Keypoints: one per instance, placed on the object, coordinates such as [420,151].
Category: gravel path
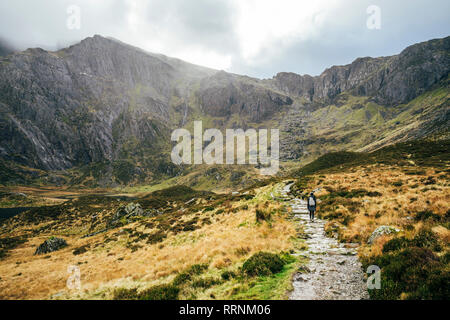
[333,271]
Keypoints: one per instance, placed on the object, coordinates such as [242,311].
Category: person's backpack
[312,202]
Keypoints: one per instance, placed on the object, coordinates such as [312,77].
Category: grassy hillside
[350,123]
[404,186]
[358,124]
[185,244]
[419,153]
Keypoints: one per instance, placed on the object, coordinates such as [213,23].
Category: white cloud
[207,58]
[254,37]
[147,29]
[262,28]
[266,25]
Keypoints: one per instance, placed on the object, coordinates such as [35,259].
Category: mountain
[370,103]
[390,81]
[101,112]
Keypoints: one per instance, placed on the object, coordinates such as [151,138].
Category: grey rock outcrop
[130,210]
[390,80]
[51,245]
[381,231]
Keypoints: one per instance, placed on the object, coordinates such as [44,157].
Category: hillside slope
[394,202]
[104,110]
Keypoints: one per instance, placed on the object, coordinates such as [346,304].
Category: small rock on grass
[51,245]
[380,231]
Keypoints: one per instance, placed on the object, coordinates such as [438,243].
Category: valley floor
[179,243]
[220,232]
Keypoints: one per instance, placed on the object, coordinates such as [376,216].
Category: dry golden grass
[403,196]
[229,239]
[443,233]
[46,195]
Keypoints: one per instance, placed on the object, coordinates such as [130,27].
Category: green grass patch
[271,287]
[421,152]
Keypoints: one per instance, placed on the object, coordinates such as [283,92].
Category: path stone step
[334,272]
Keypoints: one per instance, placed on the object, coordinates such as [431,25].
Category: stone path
[333,271]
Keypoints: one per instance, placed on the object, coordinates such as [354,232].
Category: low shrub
[247,196]
[161,292]
[198,268]
[262,215]
[156,237]
[435,287]
[228,275]
[287,258]
[182,277]
[180,192]
[397,183]
[415,172]
[186,275]
[206,283]
[263,264]
[446,258]
[427,215]
[355,193]
[242,251]
[418,272]
[80,250]
[7,244]
[426,239]
[395,244]
[125,294]
[347,220]
[429,181]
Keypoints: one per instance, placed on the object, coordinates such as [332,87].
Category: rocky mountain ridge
[109,107]
[389,80]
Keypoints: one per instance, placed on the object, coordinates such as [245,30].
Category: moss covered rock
[381,231]
[51,245]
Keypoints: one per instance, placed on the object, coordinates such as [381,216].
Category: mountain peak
[100,95]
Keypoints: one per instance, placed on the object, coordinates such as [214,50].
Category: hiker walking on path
[312,204]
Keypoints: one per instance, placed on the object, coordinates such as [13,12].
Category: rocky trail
[333,271]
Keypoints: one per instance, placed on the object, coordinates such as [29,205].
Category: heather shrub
[263,264]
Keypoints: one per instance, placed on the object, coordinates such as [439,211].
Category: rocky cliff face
[105,101]
[389,80]
[102,101]
[223,95]
[59,109]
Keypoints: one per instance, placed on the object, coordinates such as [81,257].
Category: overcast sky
[254,37]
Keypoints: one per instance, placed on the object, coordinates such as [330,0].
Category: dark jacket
[312,208]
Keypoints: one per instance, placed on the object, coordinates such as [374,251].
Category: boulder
[131,210]
[51,245]
[381,231]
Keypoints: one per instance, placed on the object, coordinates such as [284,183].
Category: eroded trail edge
[333,271]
